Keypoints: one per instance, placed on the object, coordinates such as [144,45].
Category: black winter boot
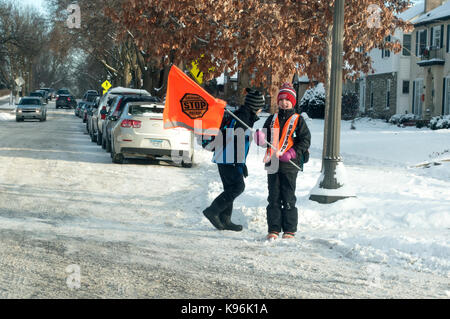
[213,217]
[225,218]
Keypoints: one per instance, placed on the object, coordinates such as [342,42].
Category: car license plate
[156,143]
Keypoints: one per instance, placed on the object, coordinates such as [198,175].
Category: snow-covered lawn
[6,116]
[401,214]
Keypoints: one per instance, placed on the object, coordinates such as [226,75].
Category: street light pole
[331,185]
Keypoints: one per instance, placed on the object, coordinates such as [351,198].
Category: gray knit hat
[254,100]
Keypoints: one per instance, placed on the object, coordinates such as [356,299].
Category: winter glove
[305,156]
[260,138]
[288,155]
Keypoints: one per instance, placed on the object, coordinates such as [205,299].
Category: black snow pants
[282,215]
[232,176]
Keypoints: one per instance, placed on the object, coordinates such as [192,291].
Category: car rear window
[29,102]
[91,97]
[35,94]
[145,109]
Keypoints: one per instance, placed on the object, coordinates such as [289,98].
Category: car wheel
[188,163]
[93,136]
[103,142]
[108,146]
[99,138]
[116,158]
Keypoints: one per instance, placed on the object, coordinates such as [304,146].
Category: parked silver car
[31,108]
[139,132]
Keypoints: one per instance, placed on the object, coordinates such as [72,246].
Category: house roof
[437,14]
[413,12]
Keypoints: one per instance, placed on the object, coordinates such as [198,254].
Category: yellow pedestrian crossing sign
[106,85]
[196,73]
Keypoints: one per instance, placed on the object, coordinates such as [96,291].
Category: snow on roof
[437,13]
[412,12]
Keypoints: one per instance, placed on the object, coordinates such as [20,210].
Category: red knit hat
[287,92]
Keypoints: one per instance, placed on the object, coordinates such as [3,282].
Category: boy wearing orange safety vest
[288,133]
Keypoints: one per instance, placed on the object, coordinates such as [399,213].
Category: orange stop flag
[188,105]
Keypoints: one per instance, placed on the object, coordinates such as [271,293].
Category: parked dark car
[114,112]
[92,92]
[45,93]
[88,98]
[50,92]
[40,95]
[65,101]
[90,110]
[62,92]
[78,108]
[90,95]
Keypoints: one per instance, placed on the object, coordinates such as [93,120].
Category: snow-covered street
[137,230]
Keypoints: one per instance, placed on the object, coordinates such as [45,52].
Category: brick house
[387,91]
[430,65]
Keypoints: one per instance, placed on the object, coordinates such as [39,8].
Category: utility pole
[331,185]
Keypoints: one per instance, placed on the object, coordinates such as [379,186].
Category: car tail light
[68,99]
[130,123]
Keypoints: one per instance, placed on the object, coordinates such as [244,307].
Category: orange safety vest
[286,140]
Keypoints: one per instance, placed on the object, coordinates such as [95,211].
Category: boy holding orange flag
[231,148]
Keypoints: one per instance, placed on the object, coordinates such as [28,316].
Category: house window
[385,53]
[436,37]
[446,110]
[388,94]
[405,87]
[371,95]
[406,45]
[362,95]
[448,36]
[421,41]
[418,97]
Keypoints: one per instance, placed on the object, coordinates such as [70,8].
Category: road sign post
[330,188]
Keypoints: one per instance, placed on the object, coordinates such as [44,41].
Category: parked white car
[139,132]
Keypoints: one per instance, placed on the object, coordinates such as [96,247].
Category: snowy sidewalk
[5,103]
